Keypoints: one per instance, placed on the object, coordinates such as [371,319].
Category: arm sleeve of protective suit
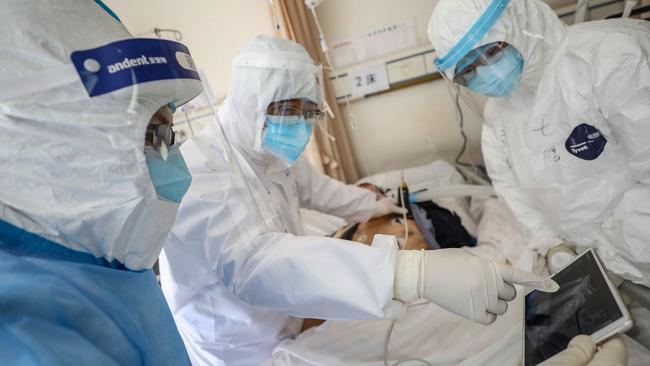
[539,234]
[322,193]
[623,93]
[313,277]
[304,276]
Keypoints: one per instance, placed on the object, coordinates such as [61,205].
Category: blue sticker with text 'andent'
[586,142]
[124,63]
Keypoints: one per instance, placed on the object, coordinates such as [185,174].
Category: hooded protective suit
[568,149]
[80,220]
[236,264]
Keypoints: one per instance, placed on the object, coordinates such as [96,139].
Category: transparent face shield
[123,96]
[493,69]
[133,73]
[199,120]
[242,205]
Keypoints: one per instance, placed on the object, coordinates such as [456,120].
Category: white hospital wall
[398,129]
[406,127]
[213,30]
[416,125]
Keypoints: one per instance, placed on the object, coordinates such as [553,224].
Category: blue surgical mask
[170,177]
[286,136]
[500,78]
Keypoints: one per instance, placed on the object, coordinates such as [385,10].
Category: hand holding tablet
[586,303]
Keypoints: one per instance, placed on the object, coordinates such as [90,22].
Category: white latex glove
[581,351]
[386,206]
[465,284]
[559,256]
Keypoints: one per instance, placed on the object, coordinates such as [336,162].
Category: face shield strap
[276,60]
[473,36]
[111,67]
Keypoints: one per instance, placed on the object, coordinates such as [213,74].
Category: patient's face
[391,225]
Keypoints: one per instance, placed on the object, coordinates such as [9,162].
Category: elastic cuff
[408,273]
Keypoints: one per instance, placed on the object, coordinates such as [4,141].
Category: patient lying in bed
[455,235]
[391,225]
[426,331]
[429,227]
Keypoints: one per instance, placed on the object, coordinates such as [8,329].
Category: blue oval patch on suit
[586,142]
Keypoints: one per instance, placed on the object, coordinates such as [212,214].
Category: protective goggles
[293,109]
[160,131]
[486,55]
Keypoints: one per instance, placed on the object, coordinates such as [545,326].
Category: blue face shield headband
[494,69]
[131,66]
[115,66]
[473,35]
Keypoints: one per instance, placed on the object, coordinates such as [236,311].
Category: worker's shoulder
[610,38]
[595,50]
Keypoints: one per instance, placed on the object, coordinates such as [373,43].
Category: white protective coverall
[568,149]
[81,222]
[231,281]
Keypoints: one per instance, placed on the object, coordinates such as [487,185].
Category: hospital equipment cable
[461,123]
[404,204]
[389,332]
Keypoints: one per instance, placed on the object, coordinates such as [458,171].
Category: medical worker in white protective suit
[237,268]
[86,196]
[567,127]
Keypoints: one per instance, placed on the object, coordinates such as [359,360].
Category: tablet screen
[583,305]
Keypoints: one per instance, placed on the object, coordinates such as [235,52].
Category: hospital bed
[439,179]
[426,331]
